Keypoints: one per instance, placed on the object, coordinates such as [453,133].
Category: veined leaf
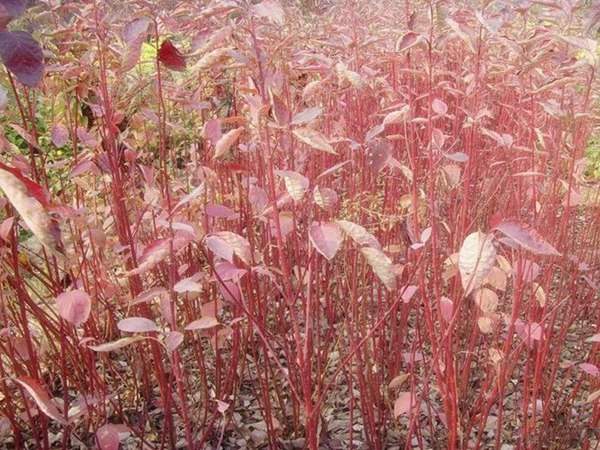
[314,139]
[381,265]
[475,260]
[359,234]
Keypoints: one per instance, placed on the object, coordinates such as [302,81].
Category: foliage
[307,224]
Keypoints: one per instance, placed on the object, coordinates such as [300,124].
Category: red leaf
[171,57]
[23,56]
[526,237]
[74,306]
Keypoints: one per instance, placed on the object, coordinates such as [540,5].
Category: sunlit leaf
[295,183]
[476,258]
[324,197]
[359,234]
[224,144]
[381,265]
[314,139]
[486,299]
[30,201]
[226,244]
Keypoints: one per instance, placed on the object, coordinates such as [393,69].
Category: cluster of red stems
[269,208]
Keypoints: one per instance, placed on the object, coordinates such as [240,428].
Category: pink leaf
[271,10]
[529,270]
[136,30]
[228,271]
[407,41]
[220,211]
[59,135]
[526,237]
[6,228]
[203,323]
[590,369]
[447,308]
[326,238]
[325,197]
[230,292]
[212,130]
[226,244]
[173,340]
[403,404]
[306,116]
[108,437]
[439,107]
[457,157]
[41,398]
[594,338]
[74,306]
[407,293]
[137,325]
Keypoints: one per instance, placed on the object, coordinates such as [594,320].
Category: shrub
[364,227]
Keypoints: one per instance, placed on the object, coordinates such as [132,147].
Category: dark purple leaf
[23,56]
